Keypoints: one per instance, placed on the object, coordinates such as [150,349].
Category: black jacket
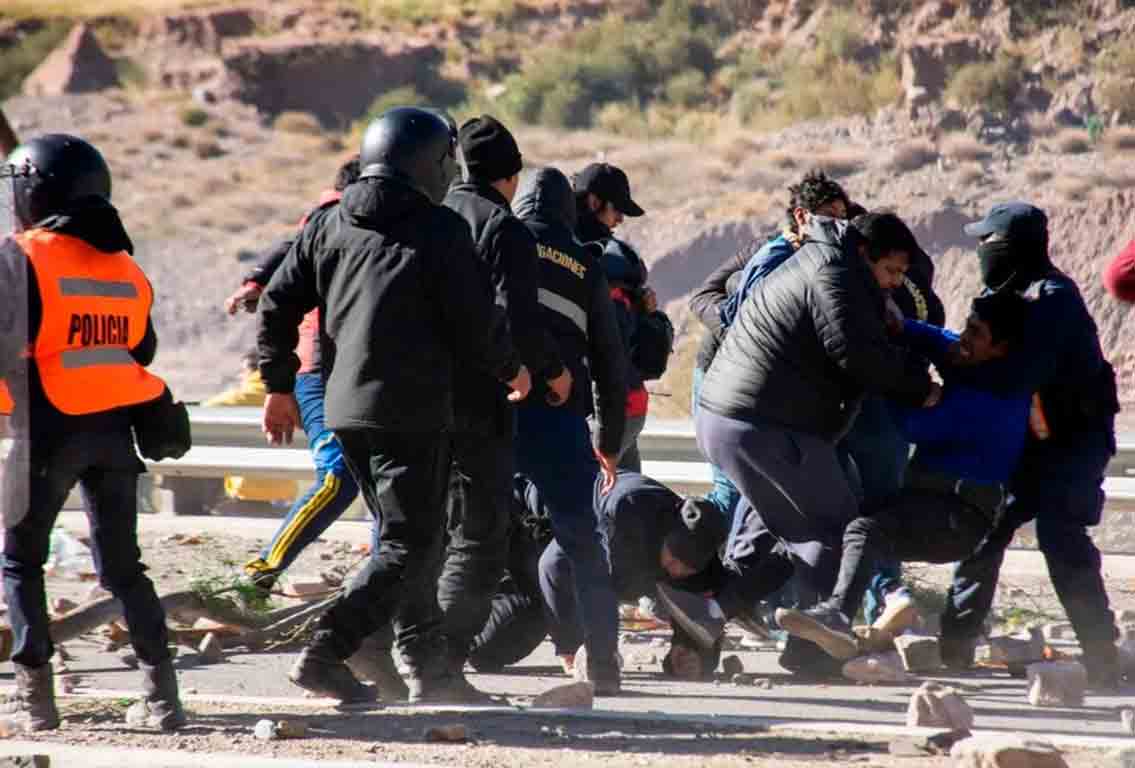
[100,227]
[589,229]
[641,512]
[400,300]
[577,309]
[809,342]
[506,255]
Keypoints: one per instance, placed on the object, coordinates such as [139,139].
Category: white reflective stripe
[107,289]
[84,358]
[568,309]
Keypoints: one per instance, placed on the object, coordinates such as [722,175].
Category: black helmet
[418,146]
[55,173]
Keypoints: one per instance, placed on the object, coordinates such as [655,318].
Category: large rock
[1057,683]
[570,696]
[202,31]
[1006,751]
[1013,650]
[919,653]
[78,65]
[876,668]
[934,705]
[928,63]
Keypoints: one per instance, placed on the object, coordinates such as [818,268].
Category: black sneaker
[824,626]
[325,675]
[805,659]
[752,624]
[957,655]
[691,613]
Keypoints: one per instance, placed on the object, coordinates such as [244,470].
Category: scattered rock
[1012,650]
[62,605]
[265,730]
[1006,751]
[570,696]
[25,761]
[934,705]
[927,63]
[305,588]
[742,678]
[454,734]
[78,65]
[1127,720]
[732,665]
[290,729]
[919,653]
[211,649]
[876,668]
[1057,683]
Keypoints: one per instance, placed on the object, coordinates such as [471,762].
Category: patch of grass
[966,149]
[912,155]
[418,12]
[90,9]
[131,74]
[18,61]
[840,163]
[1072,142]
[193,117]
[993,85]
[784,161]
[1038,176]
[207,150]
[298,122]
[1115,76]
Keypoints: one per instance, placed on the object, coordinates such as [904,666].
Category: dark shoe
[806,659]
[324,675]
[604,677]
[752,624]
[691,613]
[374,662]
[34,702]
[957,655]
[160,706]
[1102,665]
[449,688]
[824,626]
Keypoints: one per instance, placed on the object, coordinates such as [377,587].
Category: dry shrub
[193,117]
[966,149]
[180,141]
[912,156]
[742,205]
[1072,142]
[971,175]
[152,135]
[1121,140]
[784,161]
[738,149]
[298,122]
[1038,176]
[838,164]
[207,150]
[1073,188]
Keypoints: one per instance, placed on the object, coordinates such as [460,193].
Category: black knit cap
[699,534]
[489,149]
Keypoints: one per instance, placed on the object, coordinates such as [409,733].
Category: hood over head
[546,194]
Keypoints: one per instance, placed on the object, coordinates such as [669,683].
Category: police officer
[1059,479]
[87,308]
[394,276]
[483,451]
[553,444]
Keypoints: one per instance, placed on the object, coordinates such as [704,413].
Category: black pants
[480,497]
[913,526]
[106,468]
[402,477]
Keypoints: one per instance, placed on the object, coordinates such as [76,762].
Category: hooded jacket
[506,255]
[99,226]
[400,299]
[809,342]
[574,298]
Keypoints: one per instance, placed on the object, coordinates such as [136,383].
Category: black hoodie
[577,309]
[96,223]
[400,299]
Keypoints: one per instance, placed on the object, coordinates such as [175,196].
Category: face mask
[999,263]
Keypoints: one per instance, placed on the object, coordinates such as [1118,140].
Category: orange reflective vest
[95,309]
[6,403]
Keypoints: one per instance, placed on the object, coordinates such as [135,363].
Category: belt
[989,498]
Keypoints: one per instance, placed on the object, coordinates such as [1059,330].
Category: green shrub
[17,61]
[994,86]
[297,122]
[404,96]
[1115,75]
[131,74]
[686,89]
[193,117]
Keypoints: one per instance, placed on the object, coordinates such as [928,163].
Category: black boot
[1101,660]
[324,674]
[604,676]
[374,662]
[34,702]
[160,706]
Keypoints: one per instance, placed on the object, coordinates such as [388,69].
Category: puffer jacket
[810,342]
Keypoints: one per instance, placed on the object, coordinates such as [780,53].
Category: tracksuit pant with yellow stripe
[324,502]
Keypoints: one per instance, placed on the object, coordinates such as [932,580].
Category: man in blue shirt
[968,447]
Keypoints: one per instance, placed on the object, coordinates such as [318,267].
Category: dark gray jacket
[809,342]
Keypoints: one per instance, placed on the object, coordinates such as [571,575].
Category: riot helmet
[417,146]
[55,173]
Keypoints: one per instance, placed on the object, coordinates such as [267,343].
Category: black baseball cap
[609,183]
[1014,220]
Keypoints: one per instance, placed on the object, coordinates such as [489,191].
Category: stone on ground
[25,761]
[732,665]
[919,653]
[934,705]
[1012,650]
[211,648]
[876,668]
[1012,750]
[453,734]
[1057,683]
[571,696]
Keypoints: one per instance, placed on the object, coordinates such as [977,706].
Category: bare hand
[935,395]
[649,300]
[281,418]
[245,298]
[559,388]
[893,317]
[608,466]
[521,385]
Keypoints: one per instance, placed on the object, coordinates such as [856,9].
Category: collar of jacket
[826,230]
[96,223]
[380,199]
[483,189]
[590,229]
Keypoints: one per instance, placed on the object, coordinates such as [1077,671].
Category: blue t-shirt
[770,256]
[972,433]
